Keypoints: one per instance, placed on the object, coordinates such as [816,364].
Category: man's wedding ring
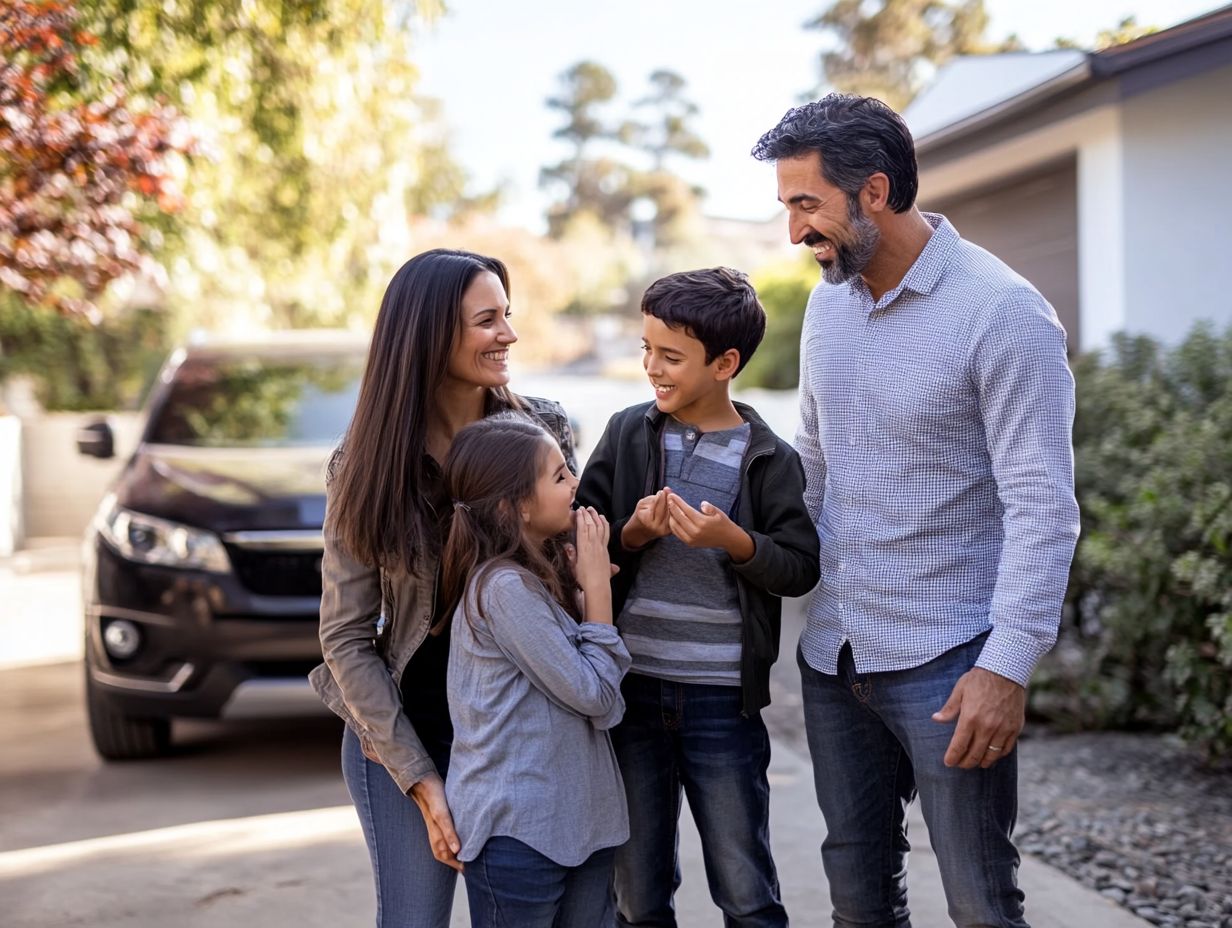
[993,747]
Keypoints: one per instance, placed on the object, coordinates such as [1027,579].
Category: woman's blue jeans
[413,889]
[874,745]
[693,737]
[511,885]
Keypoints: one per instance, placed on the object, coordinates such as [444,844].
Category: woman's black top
[423,681]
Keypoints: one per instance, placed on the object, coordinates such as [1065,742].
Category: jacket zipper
[745,654]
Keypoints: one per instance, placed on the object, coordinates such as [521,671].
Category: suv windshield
[256,401]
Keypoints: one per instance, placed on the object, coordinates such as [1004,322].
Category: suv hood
[227,489]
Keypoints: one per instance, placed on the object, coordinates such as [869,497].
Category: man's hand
[429,795]
[648,522]
[709,528]
[991,710]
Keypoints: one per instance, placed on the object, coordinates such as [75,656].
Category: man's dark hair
[717,306]
[857,137]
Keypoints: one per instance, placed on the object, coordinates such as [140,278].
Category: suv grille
[278,573]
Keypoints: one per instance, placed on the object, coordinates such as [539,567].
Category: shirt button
[689,435]
[842,567]
[852,441]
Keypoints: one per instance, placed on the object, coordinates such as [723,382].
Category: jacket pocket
[763,628]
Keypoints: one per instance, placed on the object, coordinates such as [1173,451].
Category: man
[936,406]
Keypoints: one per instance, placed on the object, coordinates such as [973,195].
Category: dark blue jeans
[692,738]
[874,746]
[511,885]
[413,889]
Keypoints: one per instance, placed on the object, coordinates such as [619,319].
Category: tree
[591,183]
[319,149]
[1127,30]
[889,49]
[81,163]
[668,131]
[600,177]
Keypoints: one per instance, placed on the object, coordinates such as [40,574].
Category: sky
[493,63]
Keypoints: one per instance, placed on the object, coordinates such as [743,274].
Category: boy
[709,528]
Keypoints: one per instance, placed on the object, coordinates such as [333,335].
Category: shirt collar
[924,274]
[925,271]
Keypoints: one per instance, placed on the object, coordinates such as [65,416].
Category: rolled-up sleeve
[579,671]
[350,605]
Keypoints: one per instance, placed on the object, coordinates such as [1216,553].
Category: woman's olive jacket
[361,677]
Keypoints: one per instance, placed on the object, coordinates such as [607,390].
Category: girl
[438,360]
[535,666]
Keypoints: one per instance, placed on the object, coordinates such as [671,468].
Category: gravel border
[1135,817]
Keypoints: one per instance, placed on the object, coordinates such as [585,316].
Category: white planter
[10,485]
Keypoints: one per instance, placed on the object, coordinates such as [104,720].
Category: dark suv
[202,578]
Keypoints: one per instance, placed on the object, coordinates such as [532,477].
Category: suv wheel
[118,736]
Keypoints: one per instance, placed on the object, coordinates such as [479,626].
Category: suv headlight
[149,540]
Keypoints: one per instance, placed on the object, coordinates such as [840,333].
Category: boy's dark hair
[856,137]
[717,306]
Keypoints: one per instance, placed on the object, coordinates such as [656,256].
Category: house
[1104,177]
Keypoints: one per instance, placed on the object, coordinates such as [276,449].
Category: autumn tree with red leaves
[79,165]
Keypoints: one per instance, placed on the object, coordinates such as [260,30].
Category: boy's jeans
[691,736]
[873,745]
[511,885]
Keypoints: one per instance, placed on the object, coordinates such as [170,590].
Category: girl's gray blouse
[531,695]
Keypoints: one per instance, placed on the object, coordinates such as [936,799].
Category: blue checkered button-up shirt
[935,437]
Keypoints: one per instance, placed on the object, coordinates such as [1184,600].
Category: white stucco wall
[1094,138]
[1177,175]
[60,488]
[11,529]
[1101,229]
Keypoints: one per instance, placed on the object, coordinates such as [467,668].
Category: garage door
[1031,223]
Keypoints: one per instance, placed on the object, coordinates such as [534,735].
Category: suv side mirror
[96,440]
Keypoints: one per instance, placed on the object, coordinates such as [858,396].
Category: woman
[438,361]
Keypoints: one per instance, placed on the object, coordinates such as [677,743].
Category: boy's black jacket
[625,467]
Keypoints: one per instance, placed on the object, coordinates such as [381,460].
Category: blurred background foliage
[784,290]
[279,164]
[75,364]
[1147,636]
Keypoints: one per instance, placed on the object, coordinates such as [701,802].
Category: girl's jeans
[511,885]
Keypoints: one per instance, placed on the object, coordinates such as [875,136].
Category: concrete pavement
[249,823]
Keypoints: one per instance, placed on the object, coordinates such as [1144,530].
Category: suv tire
[118,736]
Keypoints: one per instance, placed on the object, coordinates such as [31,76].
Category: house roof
[974,84]
[975,92]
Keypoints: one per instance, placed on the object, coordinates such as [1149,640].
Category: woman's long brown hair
[491,470]
[379,506]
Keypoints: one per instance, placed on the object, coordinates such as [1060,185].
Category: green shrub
[1147,635]
[784,291]
[77,364]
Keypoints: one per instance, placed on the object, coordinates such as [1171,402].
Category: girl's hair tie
[458,504]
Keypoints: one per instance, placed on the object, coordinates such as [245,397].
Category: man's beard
[850,259]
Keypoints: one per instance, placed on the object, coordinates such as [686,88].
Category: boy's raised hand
[709,528]
[648,522]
